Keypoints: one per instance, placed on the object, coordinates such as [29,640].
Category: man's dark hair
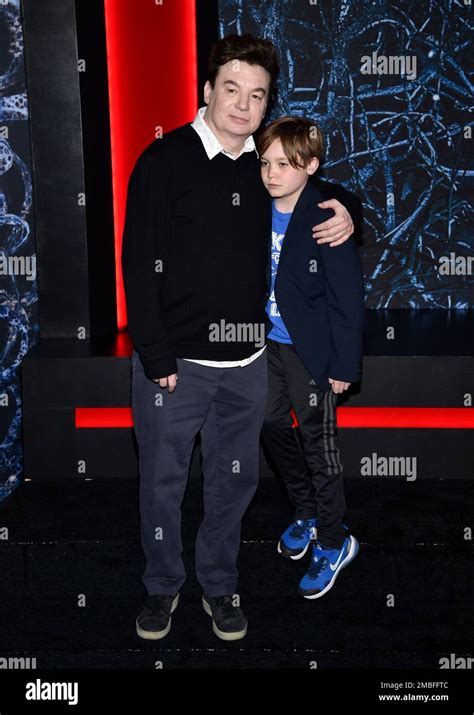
[246,48]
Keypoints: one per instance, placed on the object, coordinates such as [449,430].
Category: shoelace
[299,529]
[316,567]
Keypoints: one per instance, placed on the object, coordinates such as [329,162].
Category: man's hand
[338,386]
[169,382]
[337,229]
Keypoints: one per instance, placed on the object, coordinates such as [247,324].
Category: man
[195,254]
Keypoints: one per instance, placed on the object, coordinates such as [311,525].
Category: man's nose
[243,103]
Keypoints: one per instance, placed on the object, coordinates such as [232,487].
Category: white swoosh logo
[333,568]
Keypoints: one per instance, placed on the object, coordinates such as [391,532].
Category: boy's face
[237,103]
[280,178]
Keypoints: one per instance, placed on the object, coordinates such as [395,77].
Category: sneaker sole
[353,551]
[287,555]
[237,635]
[157,635]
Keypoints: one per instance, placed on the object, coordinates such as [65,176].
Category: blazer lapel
[306,202]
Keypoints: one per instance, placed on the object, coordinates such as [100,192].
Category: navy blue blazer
[319,292]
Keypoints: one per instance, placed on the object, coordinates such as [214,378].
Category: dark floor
[66,539]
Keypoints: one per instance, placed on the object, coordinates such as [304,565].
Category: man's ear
[207,91]
[312,166]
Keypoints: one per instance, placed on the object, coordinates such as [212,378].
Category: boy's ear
[312,166]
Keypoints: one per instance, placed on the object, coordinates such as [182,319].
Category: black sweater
[196,246]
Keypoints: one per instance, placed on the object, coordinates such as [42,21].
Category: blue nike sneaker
[325,566]
[295,540]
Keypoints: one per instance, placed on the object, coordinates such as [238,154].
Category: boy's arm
[345,298]
[146,225]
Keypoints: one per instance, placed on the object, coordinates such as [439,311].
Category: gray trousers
[226,406]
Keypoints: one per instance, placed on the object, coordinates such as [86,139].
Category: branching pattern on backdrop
[391,86]
[18,291]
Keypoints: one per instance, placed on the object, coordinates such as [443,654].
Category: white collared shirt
[213,147]
[212,144]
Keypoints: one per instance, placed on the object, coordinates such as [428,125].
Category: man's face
[280,178]
[237,103]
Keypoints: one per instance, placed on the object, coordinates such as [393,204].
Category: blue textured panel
[18,289]
[399,143]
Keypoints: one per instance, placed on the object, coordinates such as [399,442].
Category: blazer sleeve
[147,223]
[344,281]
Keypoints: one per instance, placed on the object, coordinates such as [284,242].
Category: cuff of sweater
[157,368]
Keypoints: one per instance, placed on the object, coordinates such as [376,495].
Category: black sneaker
[154,619]
[228,621]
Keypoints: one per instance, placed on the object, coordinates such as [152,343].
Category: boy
[314,348]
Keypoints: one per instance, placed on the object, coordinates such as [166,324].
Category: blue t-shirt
[280,223]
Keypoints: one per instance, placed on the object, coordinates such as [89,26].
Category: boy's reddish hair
[301,140]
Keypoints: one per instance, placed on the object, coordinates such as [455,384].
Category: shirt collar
[211,143]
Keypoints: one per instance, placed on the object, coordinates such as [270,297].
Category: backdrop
[390,85]
[19,328]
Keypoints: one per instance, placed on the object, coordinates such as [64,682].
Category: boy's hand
[338,386]
[337,229]
[169,382]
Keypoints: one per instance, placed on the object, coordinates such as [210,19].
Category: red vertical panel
[152,70]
